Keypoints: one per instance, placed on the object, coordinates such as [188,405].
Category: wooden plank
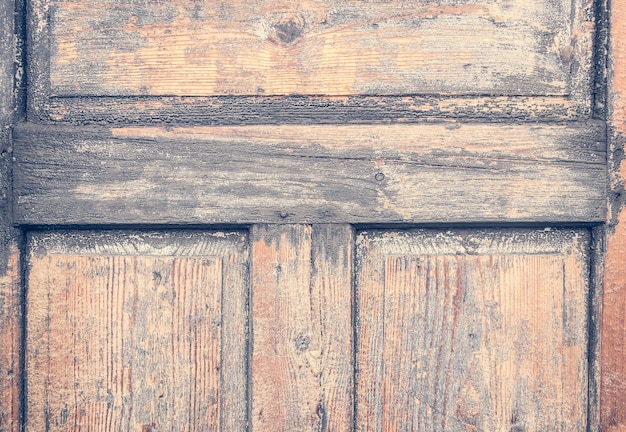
[10,292]
[125,331]
[612,410]
[319,47]
[301,326]
[472,330]
[351,174]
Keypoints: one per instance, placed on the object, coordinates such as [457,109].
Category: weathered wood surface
[334,47]
[472,330]
[351,174]
[613,334]
[302,352]
[137,331]
[10,293]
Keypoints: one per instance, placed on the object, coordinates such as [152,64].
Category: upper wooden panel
[338,47]
[330,49]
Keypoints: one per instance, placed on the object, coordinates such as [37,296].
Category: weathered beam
[352,174]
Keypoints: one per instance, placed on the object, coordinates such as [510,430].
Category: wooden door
[300,216]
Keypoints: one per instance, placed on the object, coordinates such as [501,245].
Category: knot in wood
[287,29]
[302,342]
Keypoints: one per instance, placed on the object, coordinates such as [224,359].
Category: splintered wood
[135,342]
[472,332]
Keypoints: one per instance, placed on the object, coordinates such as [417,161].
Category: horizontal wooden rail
[425,173]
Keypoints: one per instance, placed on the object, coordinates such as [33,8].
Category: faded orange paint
[10,336]
[613,337]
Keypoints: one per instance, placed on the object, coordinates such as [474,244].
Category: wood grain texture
[136,332]
[472,330]
[613,334]
[351,174]
[317,47]
[302,327]
[37,58]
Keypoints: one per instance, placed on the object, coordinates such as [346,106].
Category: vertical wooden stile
[613,323]
[301,327]
[10,292]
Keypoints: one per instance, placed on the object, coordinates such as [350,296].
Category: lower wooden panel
[472,330]
[463,330]
[136,332]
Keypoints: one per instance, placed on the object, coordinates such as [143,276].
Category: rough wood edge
[598,249]
[584,25]
[38,59]
[230,110]
[600,59]
[146,242]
